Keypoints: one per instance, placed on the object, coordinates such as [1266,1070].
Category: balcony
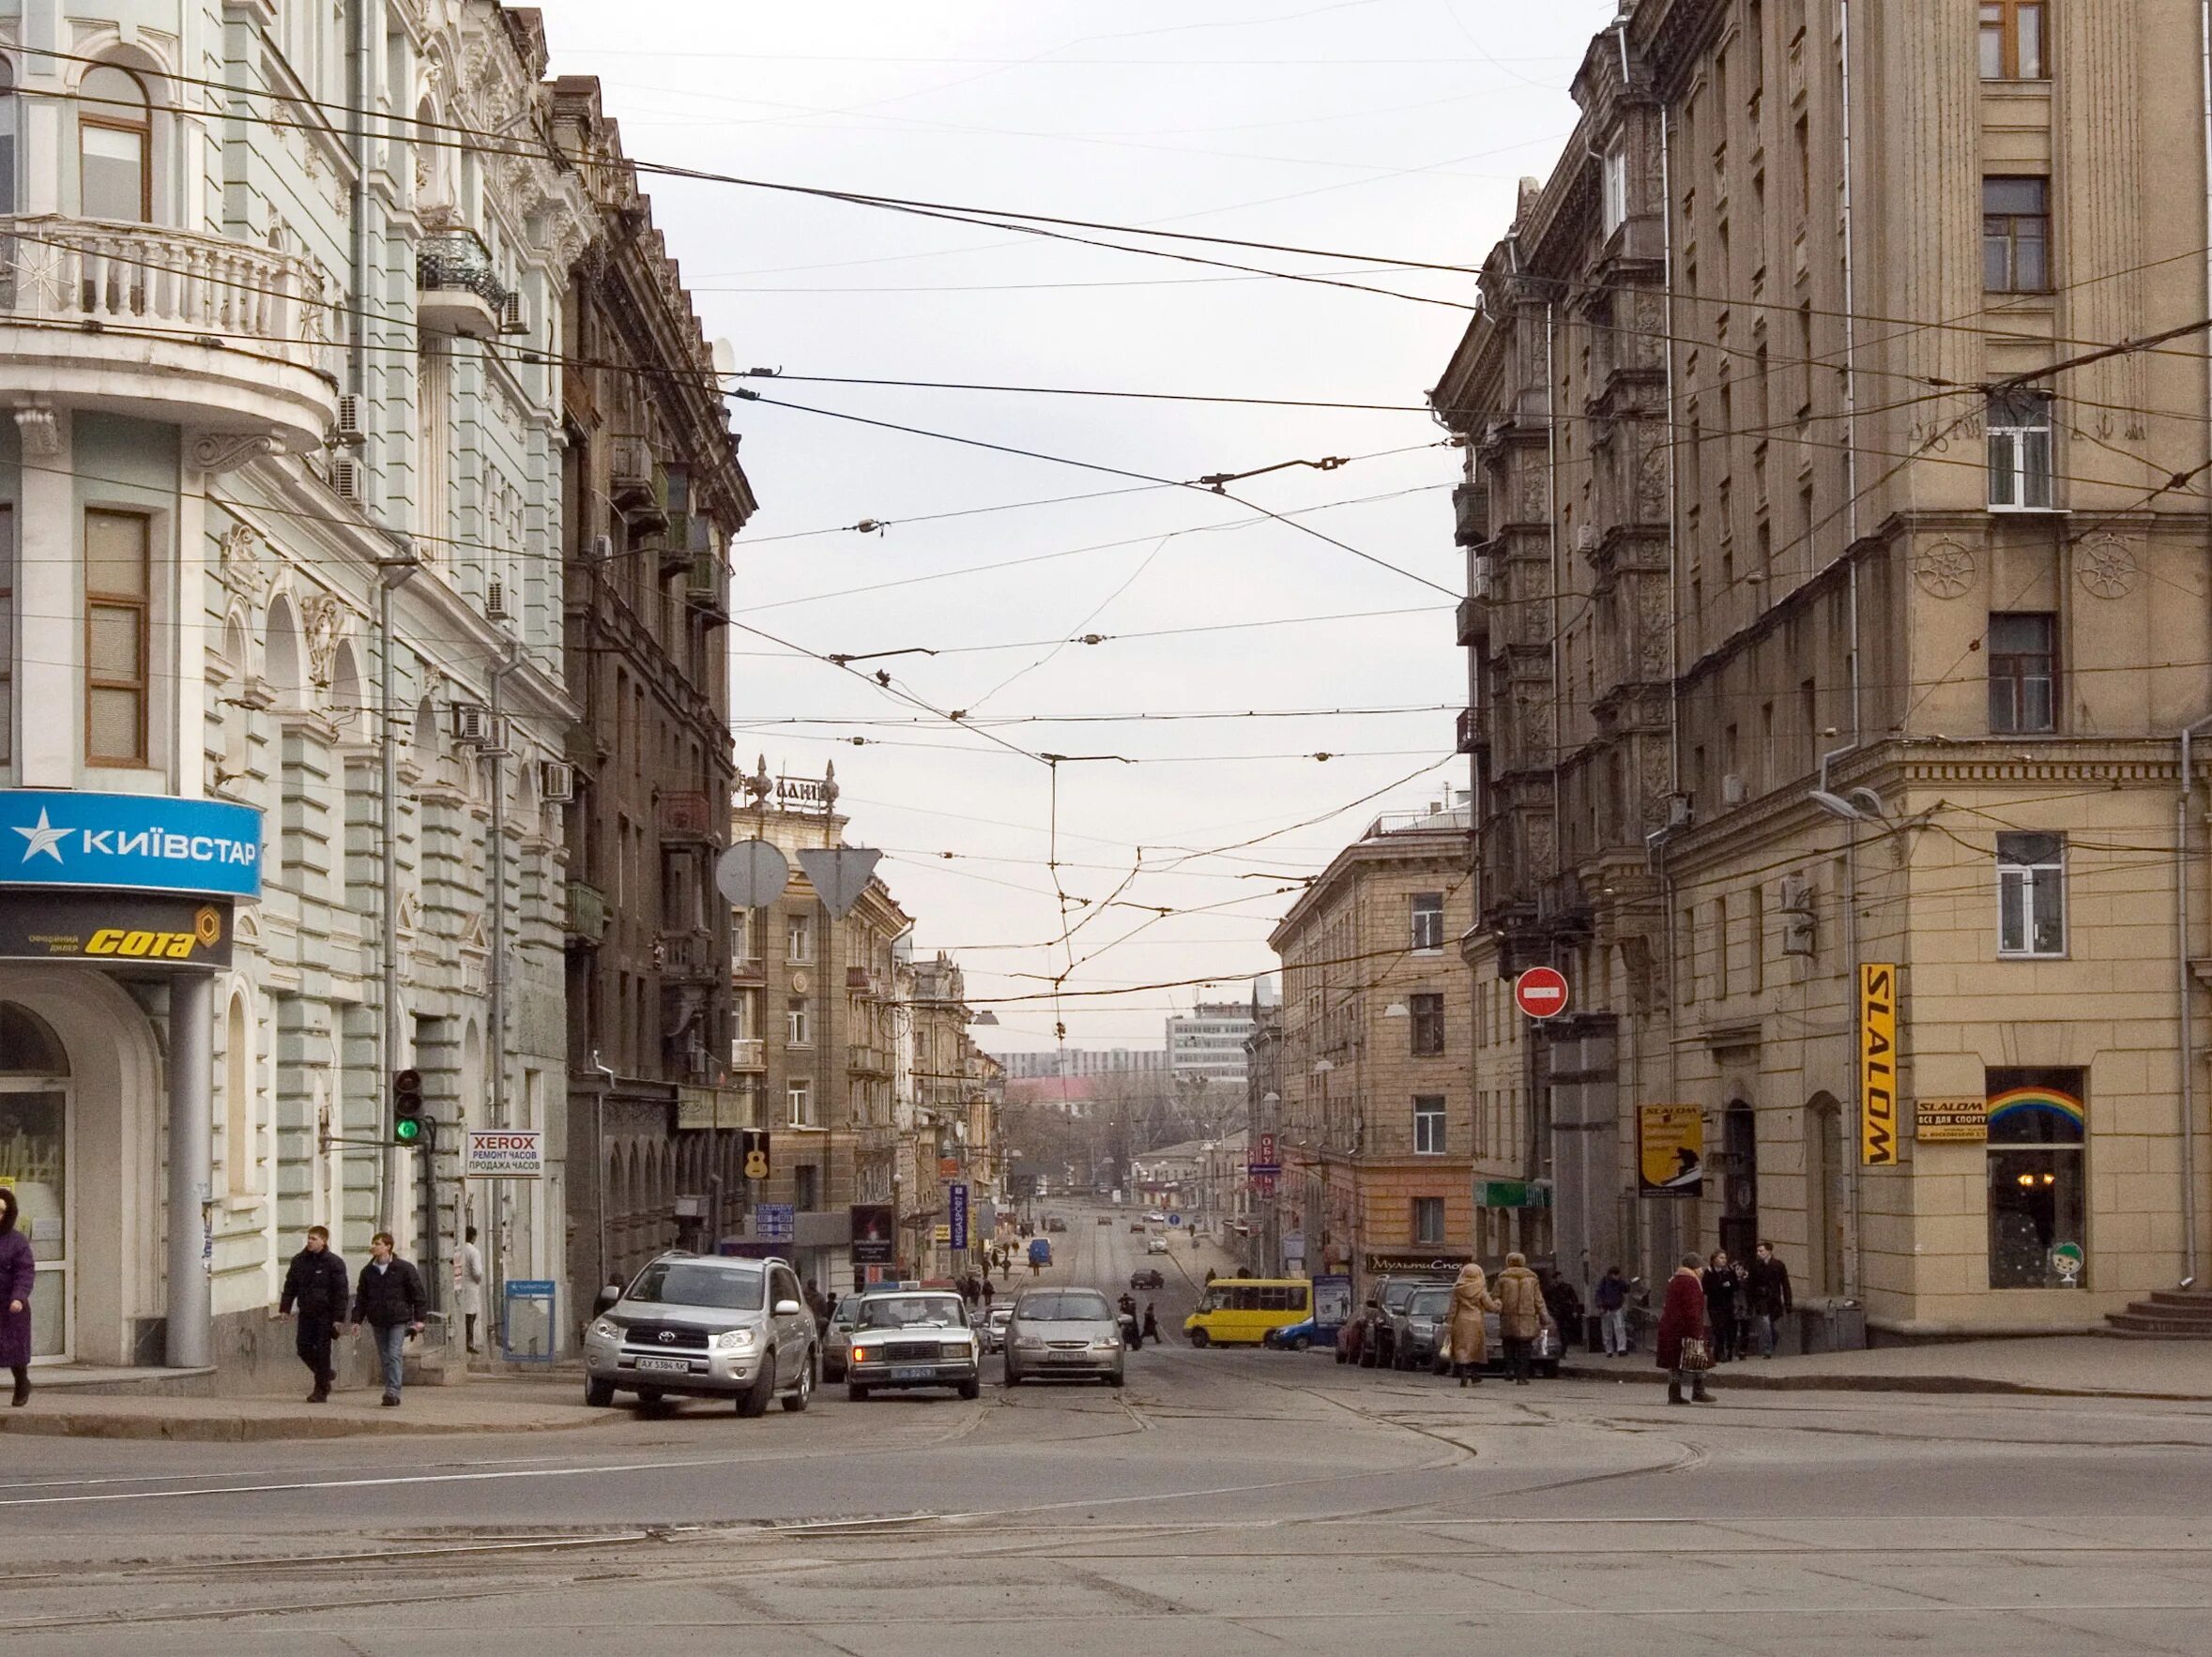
[218,336]
[687,958]
[687,819]
[1474,620]
[1471,514]
[747,973]
[458,290]
[585,918]
[867,1061]
[706,586]
[1470,731]
[636,483]
[746,1055]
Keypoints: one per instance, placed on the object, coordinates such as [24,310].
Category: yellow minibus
[1241,1310]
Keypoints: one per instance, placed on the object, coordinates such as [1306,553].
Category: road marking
[279,1487]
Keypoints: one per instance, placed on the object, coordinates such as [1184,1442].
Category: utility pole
[391,574]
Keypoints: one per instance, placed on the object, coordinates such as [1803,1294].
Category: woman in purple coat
[18,1273]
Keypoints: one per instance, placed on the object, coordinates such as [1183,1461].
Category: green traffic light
[406,1129]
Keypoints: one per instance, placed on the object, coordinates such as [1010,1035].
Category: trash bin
[1834,1324]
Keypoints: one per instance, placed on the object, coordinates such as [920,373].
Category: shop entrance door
[35,1124]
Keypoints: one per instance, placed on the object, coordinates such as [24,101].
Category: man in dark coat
[315,1287]
[1771,1300]
[1683,1317]
[19,1277]
[390,1299]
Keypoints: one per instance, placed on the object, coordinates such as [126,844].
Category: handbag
[1695,1355]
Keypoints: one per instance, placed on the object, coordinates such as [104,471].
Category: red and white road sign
[1541,992]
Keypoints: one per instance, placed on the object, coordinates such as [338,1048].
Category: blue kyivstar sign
[128,842]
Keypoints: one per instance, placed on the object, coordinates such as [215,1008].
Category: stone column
[192,1075]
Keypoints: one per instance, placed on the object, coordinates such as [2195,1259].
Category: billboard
[114,928]
[137,841]
[1877,1121]
[875,1235]
[956,1215]
[504,1154]
[1670,1151]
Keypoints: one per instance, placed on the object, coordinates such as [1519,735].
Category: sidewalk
[2061,1366]
[483,1404]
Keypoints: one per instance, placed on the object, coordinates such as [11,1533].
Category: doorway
[1739,1195]
[35,1163]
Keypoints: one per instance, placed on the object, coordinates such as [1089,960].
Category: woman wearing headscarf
[19,1274]
[1471,1346]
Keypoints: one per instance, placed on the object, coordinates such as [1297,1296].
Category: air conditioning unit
[346,478]
[472,723]
[556,782]
[497,742]
[1680,811]
[1732,789]
[599,549]
[349,421]
[496,599]
[511,320]
[1483,578]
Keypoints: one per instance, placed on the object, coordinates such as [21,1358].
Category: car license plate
[913,1373]
[666,1365]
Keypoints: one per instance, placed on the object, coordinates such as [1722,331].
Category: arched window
[281,655]
[8,105]
[116,146]
[237,1101]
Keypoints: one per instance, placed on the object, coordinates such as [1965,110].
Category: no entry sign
[1541,992]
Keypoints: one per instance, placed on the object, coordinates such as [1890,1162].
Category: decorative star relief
[1944,570]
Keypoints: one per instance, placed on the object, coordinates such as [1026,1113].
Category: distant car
[838,1338]
[919,1338]
[1297,1337]
[1137,1227]
[1148,1278]
[1054,1222]
[1040,1252]
[1156,1217]
[994,1326]
[1384,1303]
[1155,1245]
[1105,1219]
[1064,1333]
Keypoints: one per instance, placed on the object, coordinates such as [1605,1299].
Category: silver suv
[702,1325]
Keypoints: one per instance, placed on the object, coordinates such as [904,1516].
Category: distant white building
[1208,1042]
[1072,1062]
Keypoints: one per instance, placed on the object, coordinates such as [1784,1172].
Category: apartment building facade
[651,496]
[1376,1128]
[1826,615]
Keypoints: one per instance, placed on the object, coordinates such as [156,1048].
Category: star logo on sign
[45,838]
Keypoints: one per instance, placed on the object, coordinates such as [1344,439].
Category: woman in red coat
[1683,1317]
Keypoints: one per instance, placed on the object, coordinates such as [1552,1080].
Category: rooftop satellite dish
[725,359]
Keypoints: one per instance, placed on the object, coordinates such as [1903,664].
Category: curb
[214,1429]
[1737,1379]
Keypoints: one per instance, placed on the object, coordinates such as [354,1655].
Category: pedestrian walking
[817,1303]
[1564,1302]
[1612,1299]
[1722,1282]
[390,1299]
[469,1285]
[19,1276]
[1521,1314]
[1769,1286]
[315,1287]
[1151,1324]
[1683,1331]
[1470,1341]
[988,1292]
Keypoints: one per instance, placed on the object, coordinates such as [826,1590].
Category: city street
[1223,1502]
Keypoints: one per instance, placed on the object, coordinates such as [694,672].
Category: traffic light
[753,1142]
[410,1121]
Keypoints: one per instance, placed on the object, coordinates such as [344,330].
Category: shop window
[2031,895]
[1429,1219]
[1427,1024]
[118,585]
[2037,1132]
[2024,654]
[2012,40]
[2019,432]
[1428,1125]
[2016,236]
[114,144]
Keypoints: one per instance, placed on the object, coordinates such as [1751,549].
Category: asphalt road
[1221,1502]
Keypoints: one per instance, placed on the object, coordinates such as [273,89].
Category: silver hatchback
[703,1326]
[1064,1333]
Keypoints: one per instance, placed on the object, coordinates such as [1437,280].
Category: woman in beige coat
[1471,1346]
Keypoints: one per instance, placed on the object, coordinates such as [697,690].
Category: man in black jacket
[316,1286]
[1770,1295]
[390,1299]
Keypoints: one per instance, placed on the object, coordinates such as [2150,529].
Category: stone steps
[2169,1315]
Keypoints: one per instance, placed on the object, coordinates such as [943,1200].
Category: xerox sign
[128,842]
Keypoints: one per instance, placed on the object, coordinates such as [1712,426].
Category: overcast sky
[1392,126]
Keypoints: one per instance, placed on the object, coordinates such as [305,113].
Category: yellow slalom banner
[1878,1120]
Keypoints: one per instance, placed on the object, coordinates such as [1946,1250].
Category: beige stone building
[1379,1143]
[1835,601]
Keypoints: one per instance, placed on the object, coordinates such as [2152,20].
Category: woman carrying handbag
[1682,1351]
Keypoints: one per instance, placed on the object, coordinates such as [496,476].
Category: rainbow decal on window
[2023,1104]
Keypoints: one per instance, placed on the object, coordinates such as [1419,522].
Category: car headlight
[1031,1343]
[1421,1325]
[606,1328]
[955,1349]
[734,1339]
[1108,1343]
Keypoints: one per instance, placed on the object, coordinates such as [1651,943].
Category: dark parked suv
[1419,1325]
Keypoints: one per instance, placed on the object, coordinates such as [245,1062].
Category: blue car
[1297,1337]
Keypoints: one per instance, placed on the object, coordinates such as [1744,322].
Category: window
[118,582]
[2022,651]
[806,1183]
[740,935]
[1428,920]
[2015,235]
[115,140]
[8,105]
[2038,1126]
[1429,1024]
[1616,190]
[799,938]
[796,1031]
[2012,40]
[1428,1125]
[6,628]
[2019,427]
[800,1095]
[1429,1219]
[2031,895]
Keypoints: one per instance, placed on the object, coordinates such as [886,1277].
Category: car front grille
[664,1337]
[910,1352]
[1069,1346]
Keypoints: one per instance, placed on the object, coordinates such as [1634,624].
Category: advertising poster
[875,1235]
[1670,1151]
